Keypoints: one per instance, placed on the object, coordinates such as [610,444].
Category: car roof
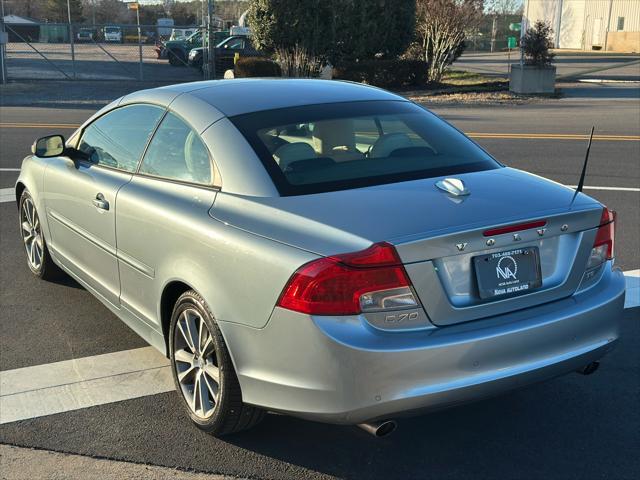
[246,95]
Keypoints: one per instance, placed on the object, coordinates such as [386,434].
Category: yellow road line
[519,136]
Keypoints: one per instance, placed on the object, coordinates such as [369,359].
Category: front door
[80,198]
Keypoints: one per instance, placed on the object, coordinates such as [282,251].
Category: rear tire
[38,257]
[203,372]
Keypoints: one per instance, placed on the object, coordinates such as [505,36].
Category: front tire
[38,257]
[203,372]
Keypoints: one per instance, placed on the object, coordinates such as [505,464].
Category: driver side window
[118,138]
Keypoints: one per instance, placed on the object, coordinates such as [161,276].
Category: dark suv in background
[225,52]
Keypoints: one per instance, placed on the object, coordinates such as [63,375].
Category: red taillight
[334,285]
[606,232]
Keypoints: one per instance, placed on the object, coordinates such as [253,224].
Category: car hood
[350,220]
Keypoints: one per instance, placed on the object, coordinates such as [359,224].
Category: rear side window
[177,153]
[118,138]
[320,148]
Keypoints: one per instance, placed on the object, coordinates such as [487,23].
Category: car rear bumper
[341,370]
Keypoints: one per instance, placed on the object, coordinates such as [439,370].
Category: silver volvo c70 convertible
[319,248]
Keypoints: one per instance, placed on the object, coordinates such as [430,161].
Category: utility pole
[211,65]
[494,31]
[3,42]
[73,53]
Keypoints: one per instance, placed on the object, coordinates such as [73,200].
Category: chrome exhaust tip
[589,368]
[379,429]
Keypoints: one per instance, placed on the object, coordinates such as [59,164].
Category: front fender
[31,178]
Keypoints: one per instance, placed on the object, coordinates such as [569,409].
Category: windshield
[338,146]
[112,30]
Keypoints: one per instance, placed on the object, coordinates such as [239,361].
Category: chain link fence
[114,52]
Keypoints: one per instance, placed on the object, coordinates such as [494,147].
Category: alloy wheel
[195,363]
[31,234]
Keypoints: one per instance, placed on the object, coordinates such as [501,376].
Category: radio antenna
[584,167]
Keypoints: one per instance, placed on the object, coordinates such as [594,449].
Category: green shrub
[385,73]
[536,43]
[334,31]
[256,67]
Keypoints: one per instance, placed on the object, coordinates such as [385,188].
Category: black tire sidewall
[191,300]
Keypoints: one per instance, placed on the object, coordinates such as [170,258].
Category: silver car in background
[323,249]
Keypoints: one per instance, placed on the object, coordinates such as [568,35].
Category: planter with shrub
[536,74]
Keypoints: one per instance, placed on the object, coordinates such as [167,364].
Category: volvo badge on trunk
[453,186]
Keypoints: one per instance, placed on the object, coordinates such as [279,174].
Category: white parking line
[632,298]
[615,189]
[7,195]
[41,390]
[9,169]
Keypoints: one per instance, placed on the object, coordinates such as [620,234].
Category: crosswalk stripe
[32,392]
[7,195]
[632,298]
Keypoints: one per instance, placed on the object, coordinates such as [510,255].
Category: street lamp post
[211,46]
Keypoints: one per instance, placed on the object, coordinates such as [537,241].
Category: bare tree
[24,8]
[441,27]
[168,6]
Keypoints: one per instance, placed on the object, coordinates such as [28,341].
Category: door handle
[100,202]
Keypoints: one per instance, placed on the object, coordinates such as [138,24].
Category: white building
[611,25]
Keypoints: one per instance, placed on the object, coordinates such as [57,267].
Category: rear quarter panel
[165,234]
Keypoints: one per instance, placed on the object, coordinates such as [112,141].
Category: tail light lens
[603,245]
[349,284]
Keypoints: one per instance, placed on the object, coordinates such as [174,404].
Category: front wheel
[38,257]
[203,372]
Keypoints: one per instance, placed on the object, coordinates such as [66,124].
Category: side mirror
[47,147]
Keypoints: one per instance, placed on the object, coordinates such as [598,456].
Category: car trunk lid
[426,225]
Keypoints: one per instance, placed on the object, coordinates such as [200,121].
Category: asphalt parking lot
[92,61]
[570,427]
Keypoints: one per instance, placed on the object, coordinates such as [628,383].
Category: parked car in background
[177,51]
[225,52]
[85,35]
[112,34]
[182,33]
[322,249]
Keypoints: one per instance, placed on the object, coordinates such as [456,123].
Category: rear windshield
[321,148]
[112,30]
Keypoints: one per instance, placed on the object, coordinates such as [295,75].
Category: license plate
[513,272]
